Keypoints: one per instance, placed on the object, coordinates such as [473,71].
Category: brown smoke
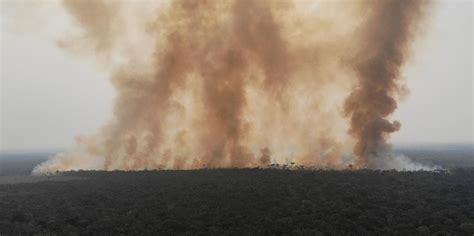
[99,18]
[241,83]
[383,45]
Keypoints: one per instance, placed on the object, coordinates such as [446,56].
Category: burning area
[244,83]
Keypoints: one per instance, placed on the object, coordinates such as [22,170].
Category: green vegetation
[243,202]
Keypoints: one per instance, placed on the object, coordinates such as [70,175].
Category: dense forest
[269,201]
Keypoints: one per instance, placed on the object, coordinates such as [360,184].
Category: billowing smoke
[242,83]
[384,41]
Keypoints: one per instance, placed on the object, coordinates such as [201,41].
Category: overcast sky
[48,97]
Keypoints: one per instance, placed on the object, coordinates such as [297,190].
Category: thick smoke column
[241,83]
[384,43]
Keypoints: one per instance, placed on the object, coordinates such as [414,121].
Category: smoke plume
[384,41]
[242,83]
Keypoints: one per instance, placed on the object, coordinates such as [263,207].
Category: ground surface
[245,201]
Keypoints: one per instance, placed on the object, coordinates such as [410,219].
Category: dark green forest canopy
[243,201]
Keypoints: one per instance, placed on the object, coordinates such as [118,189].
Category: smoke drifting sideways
[244,83]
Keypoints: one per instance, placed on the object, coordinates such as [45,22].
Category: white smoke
[401,162]
[76,161]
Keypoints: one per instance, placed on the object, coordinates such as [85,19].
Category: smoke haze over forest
[244,83]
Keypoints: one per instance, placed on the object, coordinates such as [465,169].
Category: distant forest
[446,156]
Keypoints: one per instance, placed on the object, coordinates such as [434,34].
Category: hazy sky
[48,96]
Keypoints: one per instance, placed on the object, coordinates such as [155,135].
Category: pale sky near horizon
[42,105]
